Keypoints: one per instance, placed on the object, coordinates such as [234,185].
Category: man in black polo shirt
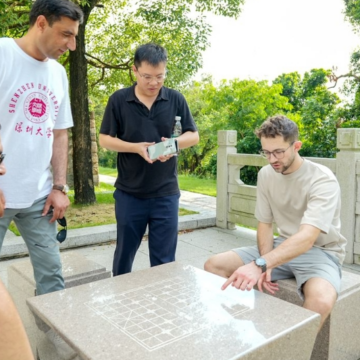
[147,192]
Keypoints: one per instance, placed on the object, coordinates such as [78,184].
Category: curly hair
[278,125]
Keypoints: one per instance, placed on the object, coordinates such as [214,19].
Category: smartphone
[167,147]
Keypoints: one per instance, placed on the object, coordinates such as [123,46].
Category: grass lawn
[101,213]
[186,182]
[107,171]
[197,185]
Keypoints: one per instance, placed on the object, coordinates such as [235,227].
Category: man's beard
[285,166]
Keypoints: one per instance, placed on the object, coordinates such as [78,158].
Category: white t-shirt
[34,100]
[310,195]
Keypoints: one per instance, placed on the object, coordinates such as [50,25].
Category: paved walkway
[198,240]
[190,200]
[98,244]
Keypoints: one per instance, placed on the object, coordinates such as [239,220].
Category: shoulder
[122,93]
[318,170]
[121,96]
[266,175]
[6,43]
[320,179]
[172,94]
[266,170]
[57,66]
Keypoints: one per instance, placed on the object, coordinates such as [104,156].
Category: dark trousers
[132,217]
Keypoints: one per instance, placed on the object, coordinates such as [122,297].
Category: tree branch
[334,78]
[101,78]
[102,65]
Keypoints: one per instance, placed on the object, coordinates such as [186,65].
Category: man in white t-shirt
[34,116]
[303,199]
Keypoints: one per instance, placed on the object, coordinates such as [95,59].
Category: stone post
[226,145]
[348,142]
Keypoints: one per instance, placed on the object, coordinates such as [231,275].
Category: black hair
[151,53]
[53,10]
[278,125]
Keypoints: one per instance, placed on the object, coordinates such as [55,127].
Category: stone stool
[339,338]
[77,270]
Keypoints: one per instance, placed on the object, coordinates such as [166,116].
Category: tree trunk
[82,162]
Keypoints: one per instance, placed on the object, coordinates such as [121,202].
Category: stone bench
[77,270]
[339,339]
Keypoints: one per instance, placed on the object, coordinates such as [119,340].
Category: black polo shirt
[128,119]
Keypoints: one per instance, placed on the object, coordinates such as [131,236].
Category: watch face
[260,262]
[66,189]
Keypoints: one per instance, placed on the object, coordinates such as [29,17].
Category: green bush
[107,158]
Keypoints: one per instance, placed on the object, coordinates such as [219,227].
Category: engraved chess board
[166,311]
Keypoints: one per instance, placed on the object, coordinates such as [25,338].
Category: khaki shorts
[313,263]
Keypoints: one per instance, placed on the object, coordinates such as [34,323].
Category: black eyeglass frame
[278,154]
[61,235]
[2,157]
[159,78]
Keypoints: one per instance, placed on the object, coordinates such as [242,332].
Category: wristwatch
[261,263]
[62,188]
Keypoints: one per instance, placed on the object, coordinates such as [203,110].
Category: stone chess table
[175,311]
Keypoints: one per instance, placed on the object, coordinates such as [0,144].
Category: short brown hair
[278,125]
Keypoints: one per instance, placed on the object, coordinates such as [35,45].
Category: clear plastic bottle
[177,129]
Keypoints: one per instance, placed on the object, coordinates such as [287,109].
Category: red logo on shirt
[36,108]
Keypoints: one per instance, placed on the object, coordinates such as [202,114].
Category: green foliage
[14,17]
[107,158]
[239,105]
[113,30]
[242,105]
[314,110]
[116,29]
[352,12]
[350,112]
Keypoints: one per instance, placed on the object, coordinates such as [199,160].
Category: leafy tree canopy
[106,42]
[242,105]
[233,105]
[115,28]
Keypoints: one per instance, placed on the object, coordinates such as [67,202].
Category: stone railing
[236,201]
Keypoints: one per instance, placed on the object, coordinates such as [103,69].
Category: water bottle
[177,130]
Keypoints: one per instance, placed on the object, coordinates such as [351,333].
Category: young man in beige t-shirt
[303,199]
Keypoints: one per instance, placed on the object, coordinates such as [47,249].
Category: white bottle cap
[177,118]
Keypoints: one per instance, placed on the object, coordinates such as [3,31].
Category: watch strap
[62,188]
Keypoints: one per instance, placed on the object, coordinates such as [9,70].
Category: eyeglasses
[149,78]
[278,154]
[61,235]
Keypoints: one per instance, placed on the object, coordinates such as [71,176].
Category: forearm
[292,247]
[265,238]
[14,343]
[60,156]
[187,139]
[116,144]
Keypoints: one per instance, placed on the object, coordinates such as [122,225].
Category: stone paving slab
[205,206]
[194,248]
